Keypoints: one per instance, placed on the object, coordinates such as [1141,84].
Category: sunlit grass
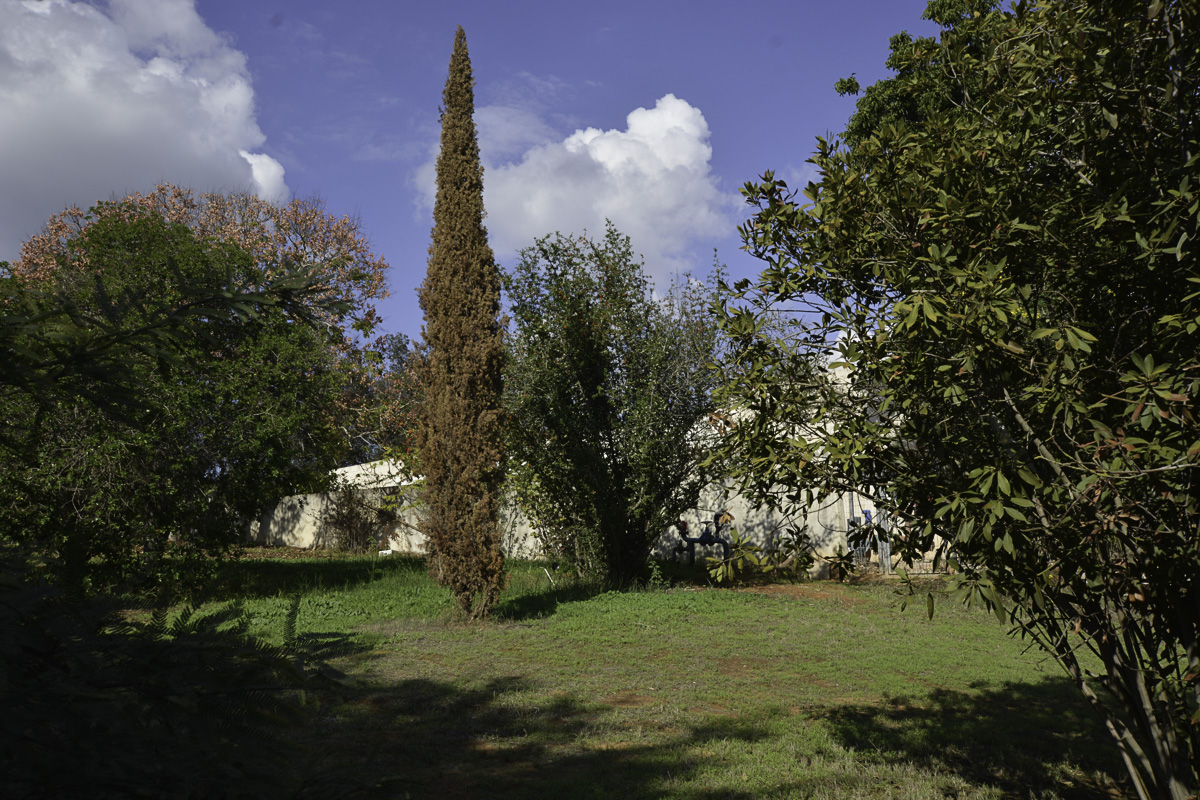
[818,690]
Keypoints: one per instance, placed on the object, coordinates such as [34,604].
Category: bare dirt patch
[628,700]
[824,592]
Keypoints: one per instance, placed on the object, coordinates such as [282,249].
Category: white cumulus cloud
[652,179]
[267,174]
[101,102]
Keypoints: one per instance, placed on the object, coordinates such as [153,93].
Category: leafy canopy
[227,394]
[606,390]
[1000,261]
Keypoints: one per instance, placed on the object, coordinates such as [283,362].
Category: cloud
[652,179]
[101,102]
[507,132]
[267,174]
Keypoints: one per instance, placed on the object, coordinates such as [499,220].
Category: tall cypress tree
[461,438]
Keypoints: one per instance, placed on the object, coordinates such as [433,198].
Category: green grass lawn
[818,690]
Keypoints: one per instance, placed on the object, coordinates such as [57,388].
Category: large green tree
[278,238]
[235,417]
[78,676]
[1000,259]
[607,390]
[461,438]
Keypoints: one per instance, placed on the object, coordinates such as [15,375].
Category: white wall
[297,521]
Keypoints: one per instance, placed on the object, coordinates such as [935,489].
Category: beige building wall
[299,521]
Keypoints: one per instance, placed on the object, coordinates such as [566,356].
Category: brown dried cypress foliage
[460,437]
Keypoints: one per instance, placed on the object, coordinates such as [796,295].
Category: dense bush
[242,411]
[607,391]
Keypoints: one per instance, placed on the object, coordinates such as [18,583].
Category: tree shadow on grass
[543,602]
[423,738]
[99,705]
[1014,737]
[428,739]
[250,578]
[529,596]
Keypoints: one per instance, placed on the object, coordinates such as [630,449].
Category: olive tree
[607,390]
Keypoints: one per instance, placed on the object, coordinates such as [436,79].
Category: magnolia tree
[1000,256]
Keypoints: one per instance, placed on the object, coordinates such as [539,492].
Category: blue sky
[649,113]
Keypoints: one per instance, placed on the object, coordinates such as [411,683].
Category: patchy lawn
[818,690]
